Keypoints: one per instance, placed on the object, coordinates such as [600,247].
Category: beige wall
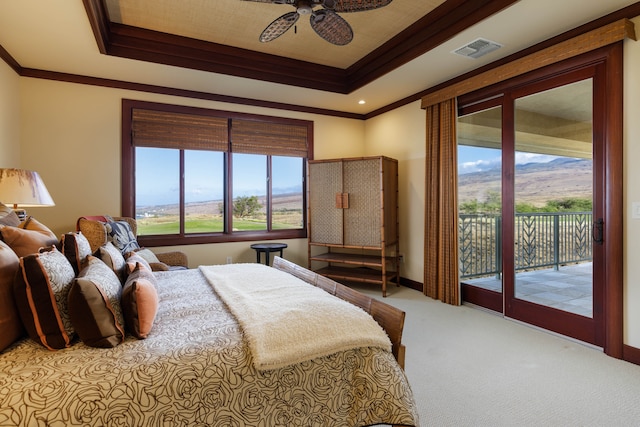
[9,117]
[631,191]
[400,134]
[70,134]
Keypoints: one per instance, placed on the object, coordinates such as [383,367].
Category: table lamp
[22,189]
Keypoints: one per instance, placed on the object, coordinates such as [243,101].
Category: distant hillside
[536,183]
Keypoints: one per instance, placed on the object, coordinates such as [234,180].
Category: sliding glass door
[527,212]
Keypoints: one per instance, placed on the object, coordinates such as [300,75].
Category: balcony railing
[541,240]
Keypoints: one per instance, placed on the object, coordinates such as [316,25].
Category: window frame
[228,235]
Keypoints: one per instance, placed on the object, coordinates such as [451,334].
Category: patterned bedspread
[195,368]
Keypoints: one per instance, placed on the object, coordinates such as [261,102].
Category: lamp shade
[23,188]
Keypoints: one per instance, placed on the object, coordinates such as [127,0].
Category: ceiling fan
[325,21]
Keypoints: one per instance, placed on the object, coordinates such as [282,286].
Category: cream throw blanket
[286,320]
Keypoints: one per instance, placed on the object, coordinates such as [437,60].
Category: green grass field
[170,225]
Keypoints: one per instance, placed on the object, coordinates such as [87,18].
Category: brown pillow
[111,256]
[94,305]
[76,248]
[28,238]
[140,301]
[10,325]
[41,289]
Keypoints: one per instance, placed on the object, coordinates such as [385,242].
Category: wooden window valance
[603,36]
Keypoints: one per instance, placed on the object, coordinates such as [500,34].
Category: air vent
[477,48]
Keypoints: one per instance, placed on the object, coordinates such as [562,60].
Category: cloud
[479,165]
[482,165]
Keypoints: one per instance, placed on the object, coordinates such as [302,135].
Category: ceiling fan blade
[343,6]
[331,27]
[279,27]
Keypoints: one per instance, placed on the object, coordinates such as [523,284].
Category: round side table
[267,248]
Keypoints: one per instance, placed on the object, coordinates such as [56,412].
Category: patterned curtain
[441,214]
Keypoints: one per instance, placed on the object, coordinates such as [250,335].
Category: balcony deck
[569,288]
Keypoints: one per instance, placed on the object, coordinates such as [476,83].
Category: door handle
[598,233]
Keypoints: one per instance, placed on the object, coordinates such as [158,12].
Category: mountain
[536,183]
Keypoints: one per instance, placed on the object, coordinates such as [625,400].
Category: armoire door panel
[362,220]
[325,181]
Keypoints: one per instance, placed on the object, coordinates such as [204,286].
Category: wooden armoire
[353,220]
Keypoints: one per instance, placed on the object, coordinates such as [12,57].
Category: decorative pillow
[111,256]
[28,238]
[10,324]
[41,288]
[76,248]
[140,301]
[132,259]
[148,255]
[121,235]
[94,305]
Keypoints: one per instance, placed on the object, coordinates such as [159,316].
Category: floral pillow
[94,305]
[76,248]
[41,289]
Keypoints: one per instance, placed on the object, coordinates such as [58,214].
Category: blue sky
[157,176]
[476,159]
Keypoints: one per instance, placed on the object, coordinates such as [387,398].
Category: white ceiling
[55,35]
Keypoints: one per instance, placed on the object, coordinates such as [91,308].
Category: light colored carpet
[469,367]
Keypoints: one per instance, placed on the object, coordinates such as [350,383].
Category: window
[192,175]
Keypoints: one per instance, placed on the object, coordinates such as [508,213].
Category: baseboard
[411,284]
[631,354]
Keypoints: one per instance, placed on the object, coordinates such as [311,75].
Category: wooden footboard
[390,318]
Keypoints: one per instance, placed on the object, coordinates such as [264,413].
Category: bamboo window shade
[167,129]
[276,139]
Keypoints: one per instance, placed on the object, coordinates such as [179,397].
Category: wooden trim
[100,24]
[185,93]
[430,31]
[631,354]
[592,40]
[613,204]
[10,60]
[440,25]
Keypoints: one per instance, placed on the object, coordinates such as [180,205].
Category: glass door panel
[479,205]
[553,193]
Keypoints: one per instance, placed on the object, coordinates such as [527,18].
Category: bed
[196,367]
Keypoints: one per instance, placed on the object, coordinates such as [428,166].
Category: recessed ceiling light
[362,102]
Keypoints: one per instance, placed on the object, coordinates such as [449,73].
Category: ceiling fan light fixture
[304,9]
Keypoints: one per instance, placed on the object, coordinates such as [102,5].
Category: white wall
[631,191]
[9,117]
